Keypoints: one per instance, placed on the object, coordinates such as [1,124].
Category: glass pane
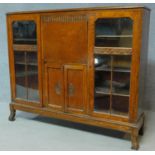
[20,57]
[24,32]
[102,103]
[121,83]
[102,62]
[32,58]
[21,91]
[122,63]
[120,105]
[102,74]
[114,32]
[33,93]
[121,74]
[102,82]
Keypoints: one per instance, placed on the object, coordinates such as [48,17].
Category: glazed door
[25,57]
[112,65]
[115,65]
[75,88]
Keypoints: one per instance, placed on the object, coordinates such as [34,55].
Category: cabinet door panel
[64,38]
[25,56]
[115,37]
[75,88]
[55,91]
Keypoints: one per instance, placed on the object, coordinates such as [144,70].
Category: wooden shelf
[114,70]
[106,91]
[114,36]
[26,48]
[122,70]
[29,73]
[103,93]
[25,39]
[22,63]
[102,111]
[103,69]
[114,94]
[113,50]
[123,95]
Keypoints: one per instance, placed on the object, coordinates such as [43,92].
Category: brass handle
[45,61]
[71,89]
[58,88]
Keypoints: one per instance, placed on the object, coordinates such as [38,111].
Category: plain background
[5,96]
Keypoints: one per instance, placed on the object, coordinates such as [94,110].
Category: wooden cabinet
[81,65]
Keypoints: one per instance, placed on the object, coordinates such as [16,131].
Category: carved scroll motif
[113,50]
[27,48]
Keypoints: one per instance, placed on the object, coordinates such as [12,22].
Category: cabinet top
[81,9]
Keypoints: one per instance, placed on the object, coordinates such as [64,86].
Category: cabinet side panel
[11,61]
[143,59]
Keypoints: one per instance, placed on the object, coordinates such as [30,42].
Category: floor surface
[33,132]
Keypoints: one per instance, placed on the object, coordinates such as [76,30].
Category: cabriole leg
[12,113]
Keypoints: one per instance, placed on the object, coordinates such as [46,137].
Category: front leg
[134,139]
[12,113]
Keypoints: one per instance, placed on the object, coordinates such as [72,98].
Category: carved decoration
[26,48]
[113,50]
[63,18]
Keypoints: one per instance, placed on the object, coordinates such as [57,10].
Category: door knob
[45,61]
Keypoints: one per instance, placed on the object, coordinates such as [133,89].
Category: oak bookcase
[81,65]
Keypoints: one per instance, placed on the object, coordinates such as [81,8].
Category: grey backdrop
[5,95]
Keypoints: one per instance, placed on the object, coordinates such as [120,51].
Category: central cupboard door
[66,88]
[65,56]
